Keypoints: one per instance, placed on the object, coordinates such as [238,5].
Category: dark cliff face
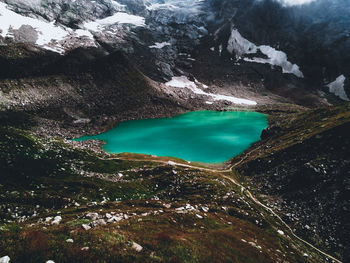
[315,36]
[306,164]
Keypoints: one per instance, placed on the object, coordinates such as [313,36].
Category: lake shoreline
[191,136]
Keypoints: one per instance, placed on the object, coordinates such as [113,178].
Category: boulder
[92,216]
[86,227]
[137,247]
[56,220]
[99,222]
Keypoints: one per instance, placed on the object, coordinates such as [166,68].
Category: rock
[5,259]
[92,216]
[167,206]
[253,244]
[69,240]
[56,220]
[205,209]
[137,247]
[86,227]
[114,219]
[82,121]
[99,222]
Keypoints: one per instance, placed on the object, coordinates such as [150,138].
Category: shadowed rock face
[84,84]
[315,36]
[69,13]
[309,175]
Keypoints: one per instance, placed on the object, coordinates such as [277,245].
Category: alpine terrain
[263,83]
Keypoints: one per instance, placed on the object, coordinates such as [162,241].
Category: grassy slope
[41,178]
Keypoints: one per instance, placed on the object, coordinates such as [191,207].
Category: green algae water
[203,136]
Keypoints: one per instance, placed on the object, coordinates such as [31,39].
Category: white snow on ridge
[83,33]
[337,88]
[277,58]
[172,5]
[295,2]
[158,45]
[47,32]
[241,46]
[117,18]
[161,6]
[184,82]
[51,36]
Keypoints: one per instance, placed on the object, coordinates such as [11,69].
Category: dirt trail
[244,190]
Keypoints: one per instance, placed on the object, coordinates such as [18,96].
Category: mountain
[71,68]
[168,31]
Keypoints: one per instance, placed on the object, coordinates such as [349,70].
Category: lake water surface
[203,136]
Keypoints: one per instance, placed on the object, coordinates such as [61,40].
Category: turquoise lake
[203,136]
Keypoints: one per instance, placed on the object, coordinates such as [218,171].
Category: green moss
[78,222]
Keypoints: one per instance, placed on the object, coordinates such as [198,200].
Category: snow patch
[171,5]
[241,46]
[166,6]
[52,36]
[295,2]
[277,58]
[158,45]
[49,34]
[337,88]
[117,18]
[5,259]
[184,82]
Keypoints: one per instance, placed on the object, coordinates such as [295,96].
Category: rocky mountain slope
[80,90]
[163,37]
[301,168]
